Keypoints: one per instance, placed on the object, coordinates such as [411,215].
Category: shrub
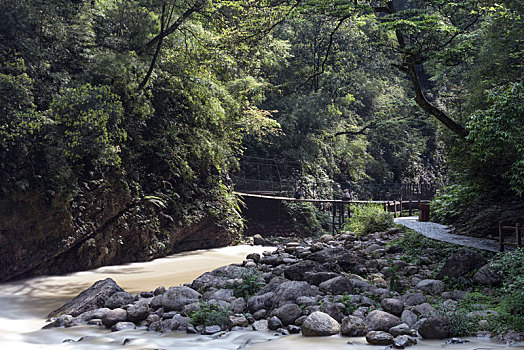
[447,206]
[307,218]
[251,283]
[368,219]
[210,315]
[511,266]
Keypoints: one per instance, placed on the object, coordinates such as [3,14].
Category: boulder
[411,299]
[89,315]
[461,263]
[92,298]
[353,326]
[425,310]
[336,286]
[120,326]
[379,338]
[401,329]
[487,277]
[259,302]
[320,324]
[239,305]
[431,286]
[288,292]
[222,294]
[288,313]
[175,298]
[435,327]
[316,278]
[393,306]
[403,341]
[208,330]
[378,320]
[408,317]
[336,310]
[219,278]
[138,312]
[119,299]
[260,325]
[274,323]
[113,317]
[297,272]
[237,321]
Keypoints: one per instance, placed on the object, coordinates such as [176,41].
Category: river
[25,303]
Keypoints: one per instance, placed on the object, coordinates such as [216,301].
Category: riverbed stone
[403,341]
[288,313]
[393,306]
[336,310]
[120,326]
[461,263]
[409,317]
[274,323]
[486,276]
[137,312]
[219,278]
[259,302]
[424,310]
[113,317]
[287,292]
[353,326]
[431,286]
[412,299]
[336,286]
[320,324]
[379,338]
[260,325]
[435,327]
[378,320]
[401,329]
[237,321]
[209,330]
[92,298]
[299,271]
[89,315]
[175,298]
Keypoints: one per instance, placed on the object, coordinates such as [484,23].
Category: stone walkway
[442,233]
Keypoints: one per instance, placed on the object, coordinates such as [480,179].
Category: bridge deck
[311,200]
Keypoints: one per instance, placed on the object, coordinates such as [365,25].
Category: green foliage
[448,205]
[307,218]
[368,219]
[347,301]
[511,266]
[251,283]
[209,315]
[414,245]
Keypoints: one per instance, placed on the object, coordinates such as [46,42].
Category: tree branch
[157,51]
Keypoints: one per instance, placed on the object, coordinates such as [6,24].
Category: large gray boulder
[260,302]
[138,312]
[90,299]
[435,327]
[288,292]
[298,271]
[219,278]
[288,313]
[113,317]
[411,299]
[353,326]
[336,286]
[431,286]
[486,276]
[393,306]
[461,263]
[119,299]
[319,324]
[378,320]
[175,298]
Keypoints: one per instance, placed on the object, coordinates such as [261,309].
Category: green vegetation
[210,315]
[251,283]
[368,219]
[308,219]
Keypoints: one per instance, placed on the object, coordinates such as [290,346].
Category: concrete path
[442,233]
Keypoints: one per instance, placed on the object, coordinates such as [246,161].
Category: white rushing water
[24,305]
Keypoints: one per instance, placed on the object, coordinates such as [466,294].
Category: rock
[454,294]
[320,324]
[274,323]
[412,299]
[89,315]
[239,305]
[379,338]
[403,341]
[316,278]
[461,263]
[61,321]
[146,294]
[435,327]
[353,326]
[175,298]
[254,256]
[120,326]
[337,286]
[336,310]
[487,277]
[260,314]
[222,294]
[401,329]
[288,313]
[260,325]
[287,292]
[259,302]
[431,286]
[292,329]
[92,298]
[259,240]
[138,312]
[159,291]
[298,271]
[408,317]
[113,317]
[381,321]
[220,277]
[208,330]
[156,302]
[425,310]
[306,301]
[237,321]
[393,306]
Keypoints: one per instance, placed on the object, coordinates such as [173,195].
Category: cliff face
[104,224]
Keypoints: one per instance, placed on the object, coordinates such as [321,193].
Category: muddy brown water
[24,305]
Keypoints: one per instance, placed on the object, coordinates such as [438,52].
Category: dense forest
[122,121]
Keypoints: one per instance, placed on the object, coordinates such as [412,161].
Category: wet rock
[119,299]
[259,302]
[461,263]
[336,286]
[159,291]
[292,329]
[120,326]
[288,313]
[175,298]
[237,321]
[456,341]
[95,322]
[209,330]
[274,323]
[61,321]
[113,317]
[353,326]
[393,306]
[156,302]
[435,327]
[403,341]
[401,329]
[379,338]
[89,315]
[170,325]
[254,256]
[431,286]
[320,324]
[138,312]
[92,298]
[381,321]
[260,325]
[486,276]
